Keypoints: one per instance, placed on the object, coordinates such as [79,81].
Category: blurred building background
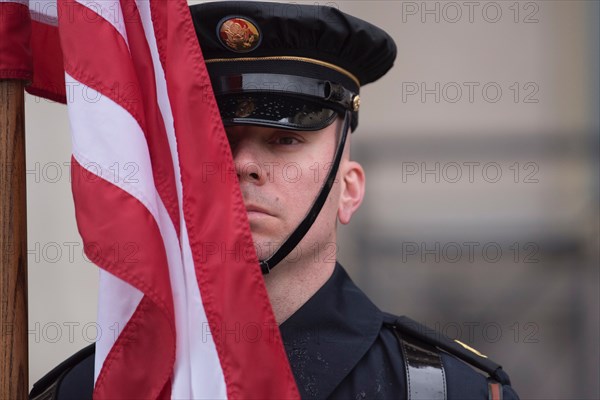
[482,211]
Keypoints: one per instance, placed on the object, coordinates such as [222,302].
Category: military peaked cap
[288,65]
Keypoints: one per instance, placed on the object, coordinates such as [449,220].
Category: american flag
[186,298]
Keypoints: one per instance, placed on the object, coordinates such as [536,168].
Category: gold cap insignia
[239,34]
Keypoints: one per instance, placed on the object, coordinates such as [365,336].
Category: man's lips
[253,209]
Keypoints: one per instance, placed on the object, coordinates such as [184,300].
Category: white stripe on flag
[117,300]
[44,11]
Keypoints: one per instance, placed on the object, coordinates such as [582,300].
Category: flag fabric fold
[15,34]
[183,309]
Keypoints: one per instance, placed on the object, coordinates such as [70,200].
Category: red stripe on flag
[48,70]
[96,54]
[140,363]
[15,31]
[233,290]
[135,359]
[126,78]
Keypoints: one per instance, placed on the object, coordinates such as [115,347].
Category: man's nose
[247,160]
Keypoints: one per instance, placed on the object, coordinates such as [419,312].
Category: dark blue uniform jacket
[340,346]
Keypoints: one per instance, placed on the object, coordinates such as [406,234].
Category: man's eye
[286,140]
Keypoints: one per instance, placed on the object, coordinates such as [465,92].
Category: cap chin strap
[292,241]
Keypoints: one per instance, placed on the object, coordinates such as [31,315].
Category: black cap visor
[275,111]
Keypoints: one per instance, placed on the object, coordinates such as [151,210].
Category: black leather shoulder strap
[47,387]
[410,328]
[425,375]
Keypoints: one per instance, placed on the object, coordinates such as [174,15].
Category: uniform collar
[329,334]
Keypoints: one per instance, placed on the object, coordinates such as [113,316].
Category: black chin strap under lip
[292,241]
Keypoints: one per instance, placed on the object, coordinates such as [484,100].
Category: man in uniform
[287,84]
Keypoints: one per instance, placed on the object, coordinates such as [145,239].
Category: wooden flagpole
[13,243]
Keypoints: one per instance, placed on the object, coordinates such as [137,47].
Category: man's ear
[352,190]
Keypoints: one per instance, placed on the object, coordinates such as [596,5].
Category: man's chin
[265,245]
[265,248]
